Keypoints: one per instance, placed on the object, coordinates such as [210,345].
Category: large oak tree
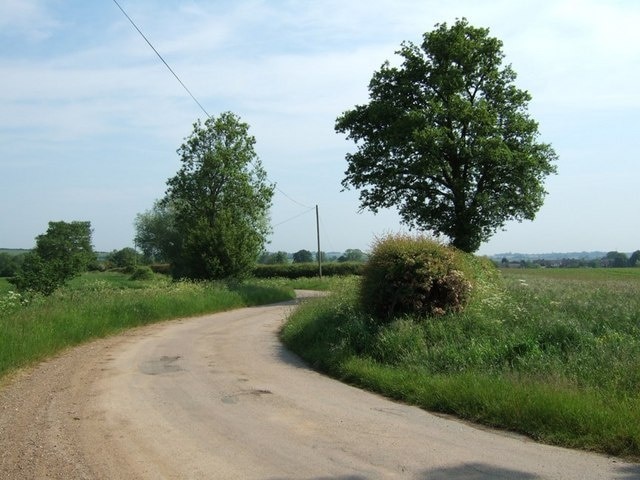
[446,139]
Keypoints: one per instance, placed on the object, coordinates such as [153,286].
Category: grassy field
[5,286]
[100,304]
[551,353]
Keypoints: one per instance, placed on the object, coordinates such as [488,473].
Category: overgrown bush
[414,275]
[163,268]
[142,273]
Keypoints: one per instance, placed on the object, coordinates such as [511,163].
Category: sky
[91,119]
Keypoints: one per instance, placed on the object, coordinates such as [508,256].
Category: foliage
[416,276]
[124,258]
[221,197]
[157,232]
[352,255]
[303,256]
[447,140]
[61,253]
[276,258]
[163,268]
[302,270]
[633,259]
[10,302]
[8,265]
[616,259]
[142,273]
[550,353]
[5,286]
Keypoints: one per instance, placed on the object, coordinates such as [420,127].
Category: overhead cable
[185,87]
[163,60]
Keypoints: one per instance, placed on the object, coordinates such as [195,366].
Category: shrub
[304,270]
[163,268]
[142,273]
[414,275]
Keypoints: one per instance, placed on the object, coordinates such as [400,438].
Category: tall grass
[554,356]
[5,286]
[96,305]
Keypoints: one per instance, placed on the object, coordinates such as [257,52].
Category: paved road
[217,397]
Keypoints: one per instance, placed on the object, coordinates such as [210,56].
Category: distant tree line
[613,259]
[306,256]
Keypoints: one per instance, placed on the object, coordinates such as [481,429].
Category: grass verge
[97,305]
[551,356]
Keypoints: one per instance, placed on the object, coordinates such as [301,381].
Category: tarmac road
[218,397]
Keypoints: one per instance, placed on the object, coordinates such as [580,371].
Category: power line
[326,234]
[163,60]
[187,90]
[294,201]
[294,217]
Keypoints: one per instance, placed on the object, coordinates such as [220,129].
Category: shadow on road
[476,471]
[467,471]
[473,471]
[629,472]
[340,477]
[290,358]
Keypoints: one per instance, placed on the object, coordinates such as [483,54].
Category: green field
[551,353]
[5,286]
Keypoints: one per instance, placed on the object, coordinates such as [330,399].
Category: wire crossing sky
[162,59]
[189,91]
[91,120]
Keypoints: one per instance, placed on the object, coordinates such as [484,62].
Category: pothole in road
[233,398]
[165,364]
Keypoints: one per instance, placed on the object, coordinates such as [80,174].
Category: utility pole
[318,234]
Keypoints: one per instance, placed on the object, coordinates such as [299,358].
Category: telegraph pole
[318,234]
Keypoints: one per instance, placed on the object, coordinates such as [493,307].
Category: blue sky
[91,119]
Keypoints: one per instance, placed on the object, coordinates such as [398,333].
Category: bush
[414,276]
[142,273]
[304,270]
[163,268]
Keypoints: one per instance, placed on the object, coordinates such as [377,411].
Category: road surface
[218,397]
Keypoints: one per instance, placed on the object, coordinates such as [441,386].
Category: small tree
[352,255]
[124,258]
[157,232]
[303,256]
[633,259]
[61,253]
[221,198]
[8,265]
[446,139]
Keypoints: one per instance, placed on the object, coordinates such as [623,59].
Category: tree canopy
[220,198]
[446,139]
[61,253]
[352,255]
[124,258]
[303,256]
[157,233]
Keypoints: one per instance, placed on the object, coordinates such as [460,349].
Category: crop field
[551,353]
